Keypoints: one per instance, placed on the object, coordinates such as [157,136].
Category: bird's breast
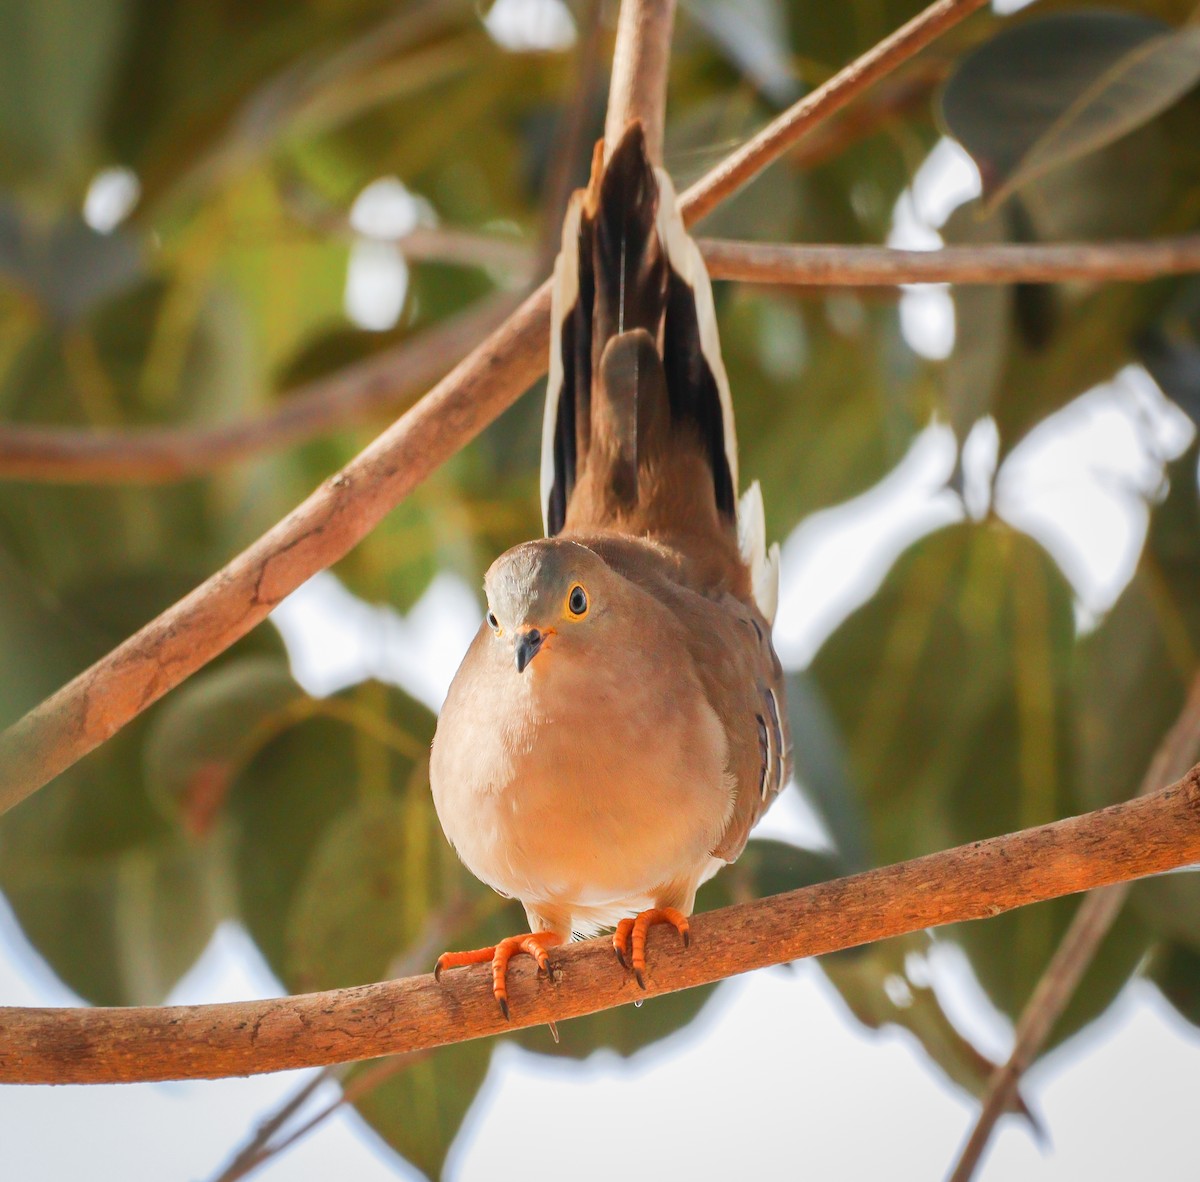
[582,791]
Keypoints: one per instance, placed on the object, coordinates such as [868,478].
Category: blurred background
[241,237]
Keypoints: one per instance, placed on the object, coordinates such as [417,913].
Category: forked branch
[104,698]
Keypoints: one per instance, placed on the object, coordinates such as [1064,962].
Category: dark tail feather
[634,345]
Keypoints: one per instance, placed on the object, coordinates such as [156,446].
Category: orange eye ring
[577,602]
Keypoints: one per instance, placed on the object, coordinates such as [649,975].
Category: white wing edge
[563,295]
[752,545]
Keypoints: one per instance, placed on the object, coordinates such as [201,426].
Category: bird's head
[547,595]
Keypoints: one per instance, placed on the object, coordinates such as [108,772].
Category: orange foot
[533,943]
[636,948]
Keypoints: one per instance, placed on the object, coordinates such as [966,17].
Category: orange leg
[532,943]
[629,939]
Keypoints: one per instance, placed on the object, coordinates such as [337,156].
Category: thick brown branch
[102,699]
[777,137]
[866,266]
[641,58]
[1145,836]
[338,515]
[1080,943]
[163,454]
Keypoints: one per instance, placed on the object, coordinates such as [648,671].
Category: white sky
[774,1080]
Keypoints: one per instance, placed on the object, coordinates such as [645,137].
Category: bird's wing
[728,646]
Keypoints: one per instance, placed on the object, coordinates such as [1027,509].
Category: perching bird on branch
[617,726]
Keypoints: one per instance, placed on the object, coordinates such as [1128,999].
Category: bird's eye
[493,623]
[577,601]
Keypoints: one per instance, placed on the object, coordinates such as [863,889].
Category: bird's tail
[638,406]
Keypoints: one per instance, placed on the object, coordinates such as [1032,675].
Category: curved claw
[531,943]
[631,936]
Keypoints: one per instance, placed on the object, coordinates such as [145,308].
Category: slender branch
[1144,836]
[866,266]
[338,515]
[163,454]
[259,1147]
[777,137]
[1089,926]
[638,89]
[320,531]
[373,1077]
[71,456]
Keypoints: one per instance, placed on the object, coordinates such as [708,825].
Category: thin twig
[1148,835]
[256,1150]
[641,58]
[320,531]
[777,137]
[63,456]
[260,1148]
[866,266]
[1080,943]
[344,399]
[367,1081]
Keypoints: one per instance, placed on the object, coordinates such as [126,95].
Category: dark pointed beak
[527,644]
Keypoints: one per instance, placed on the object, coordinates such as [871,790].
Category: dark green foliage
[960,701]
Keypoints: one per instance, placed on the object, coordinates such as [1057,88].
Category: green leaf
[952,690]
[1176,972]
[121,929]
[117,902]
[380,874]
[1134,674]
[209,728]
[419,1112]
[1052,89]
[58,59]
[880,986]
[983,321]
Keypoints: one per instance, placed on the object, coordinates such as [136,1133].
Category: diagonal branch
[1090,924]
[164,454]
[339,514]
[88,457]
[1148,835]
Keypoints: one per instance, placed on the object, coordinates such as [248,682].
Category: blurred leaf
[117,902]
[822,771]
[206,731]
[378,876]
[1176,972]
[1170,349]
[983,323]
[1135,672]
[69,268]
[1049,90]
[754,35]
[419,1112]
[948,688]
[882,987]
[951,688]
[58,59]
[148,912]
